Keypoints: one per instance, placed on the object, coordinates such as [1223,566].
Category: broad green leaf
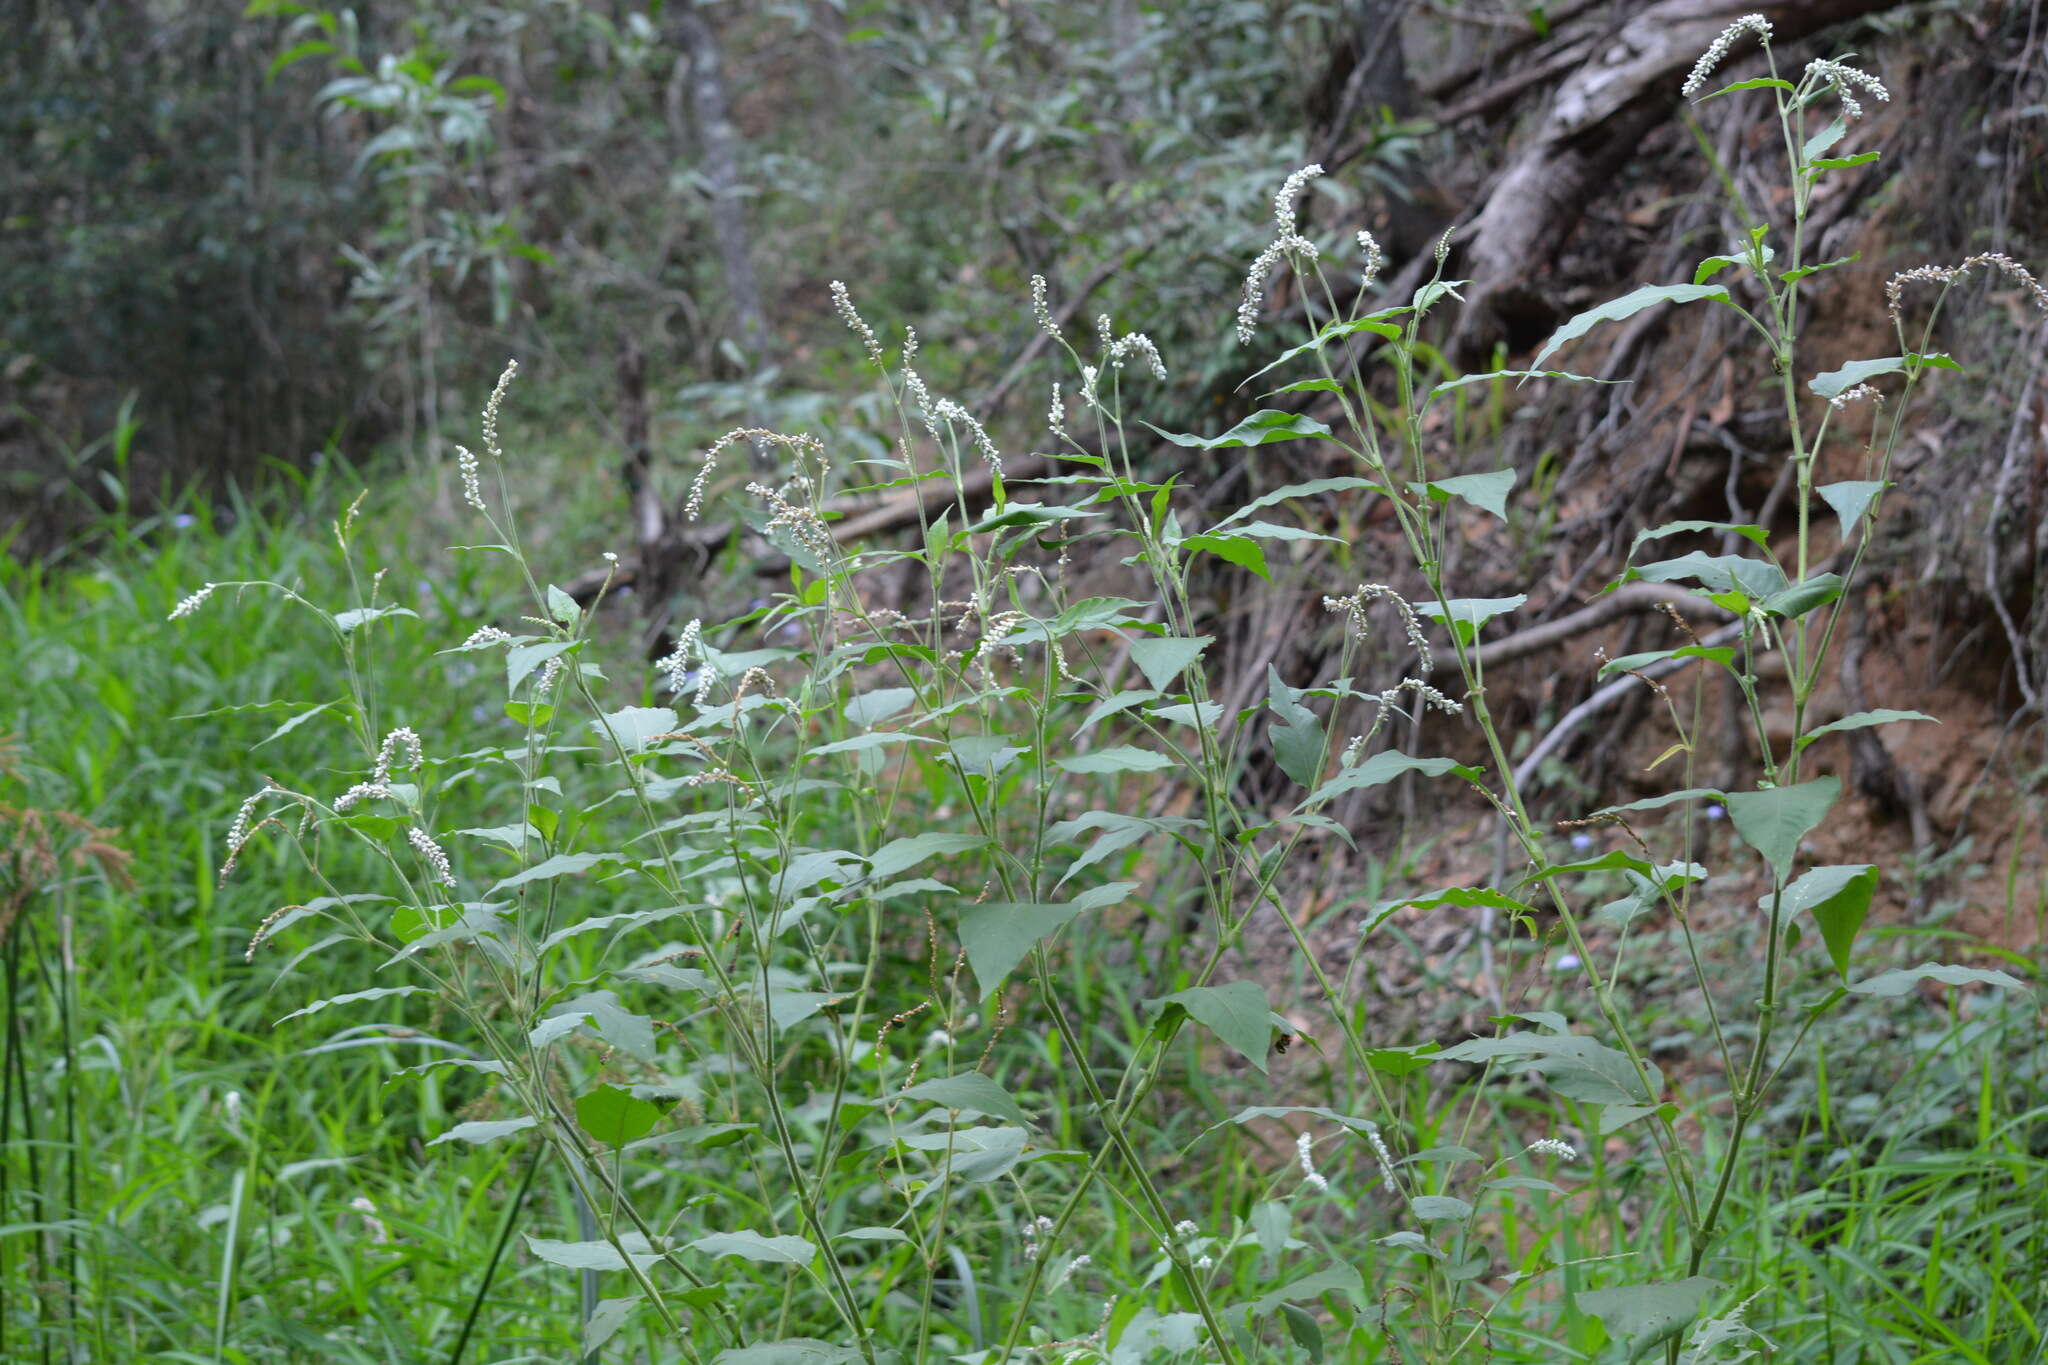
[1458,897]
[1835,131]
[1439,1208]
[1851,499]
[561,865]
[1402,1061]
[1723,655]
[752,1246]
[483,1130]
[346,621]
[1029,514]
[595,1255]
[1306,1331]
[1614,860]
[1838,163]
[1628,305]
[636,727]
[1266,530]
[1759,83]
[880,704]
[1121,759]
[1774,820]
[1467,616]
[562,607]
[521,660]
[1838,898]
[790,1351]
[1862,720]
[1487,492]
[1241,550]
[1657,802]
[605,1322]
[1384,767]
[1237,1013]
[869,739]
[1906,978]
[1834,383]
[1296,490]
[871,1234]
[1802,598]
[1296,734]
[615,1116]
[1721,573]
[1575,1066]
[1261,428]
[1376,323]
[1757,535]
[970,1092]
[1645,1316]
[1163,658]
[900,855]
[997,935]
[1335,1279]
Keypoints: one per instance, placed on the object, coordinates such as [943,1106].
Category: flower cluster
[1950,275]
[1289,243]
[1847,80]
[472,490]
[491,410]
[432,855]
[1354,607]
[843,302]
[402,742]
[1711,58]
[192,603]
[1304,1152]
[1041,313]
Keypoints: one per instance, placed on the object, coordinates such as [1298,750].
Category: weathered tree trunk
[718,146]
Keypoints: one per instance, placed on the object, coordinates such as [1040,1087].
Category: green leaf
[1804,597]
[636,727]
[1237,1013]
[1720,573]
[1121,759]
[1862,720]
[1838,898]
[752,1246]
[1851,499]
[1384,767]
[346,621]
[615,1116]
[790,1351]
[1573,1065]
[1759,83]
[562,607]
[1263,427]
[520,660]
[1029,514]
[1242,551]
[1162,658]
[1439,1208]
[900,855]
[1306,1331]
[969,1092]
[1628,305]
[997,935]
[1723,655]
[878,705]
[1334,1279]
[1402,1061]
[561,865]
[483,1130]
[1466,381]
[1834,383]
[1774,820]
[374,993]
[1755,534]
[1467,616]
[1645,1316]
[1837,163]
[1827,137]
[1296,490]
[1487,492]
[605,1322]
[1904,979]
[595,1255]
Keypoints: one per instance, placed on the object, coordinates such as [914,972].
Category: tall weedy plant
[784,955]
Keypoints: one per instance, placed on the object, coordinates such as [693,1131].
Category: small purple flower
[1715,812]
[1582,842]
[184,520]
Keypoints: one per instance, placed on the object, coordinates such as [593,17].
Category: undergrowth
[869,981]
